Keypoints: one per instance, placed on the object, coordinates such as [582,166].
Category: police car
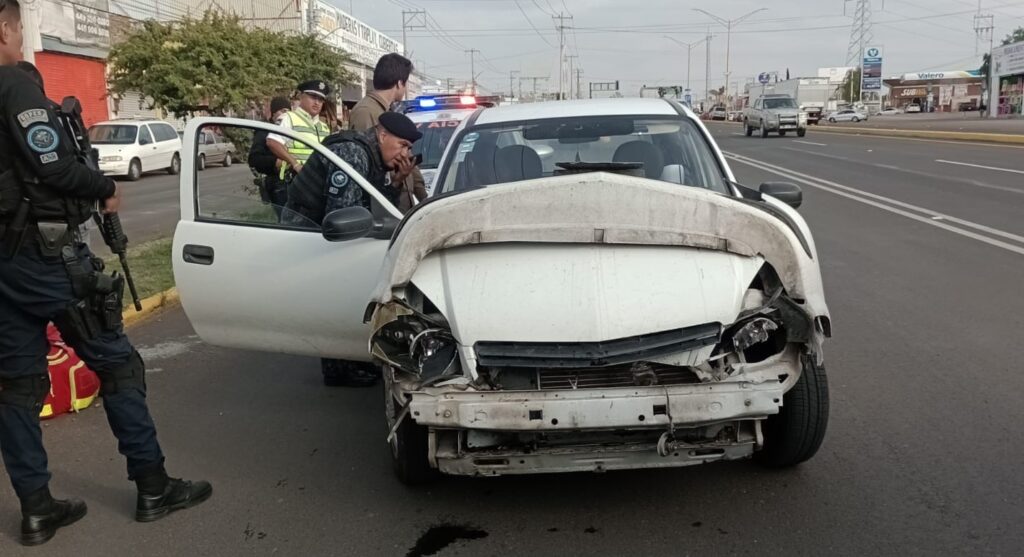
[437,117]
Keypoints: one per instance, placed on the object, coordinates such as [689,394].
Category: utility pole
[986,24]
[561,27]
[707,71]
[472,69]
[411,19]
[689,51]
[572,72]
[511,86]
[535,79]
[728,23]
[579,83]
[448,85]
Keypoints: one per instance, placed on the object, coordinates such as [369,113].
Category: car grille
[555,355]
[787,120]
[616,376]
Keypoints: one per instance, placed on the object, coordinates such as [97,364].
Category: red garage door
[66,75]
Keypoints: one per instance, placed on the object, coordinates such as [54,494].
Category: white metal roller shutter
[130,106]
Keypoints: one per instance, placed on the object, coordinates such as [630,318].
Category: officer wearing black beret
[322,187]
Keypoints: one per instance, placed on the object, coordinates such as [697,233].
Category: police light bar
[428,103]
[467,99]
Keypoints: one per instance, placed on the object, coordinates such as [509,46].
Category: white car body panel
[274,289]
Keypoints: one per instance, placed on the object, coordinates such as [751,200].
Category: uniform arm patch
[42,139]
[33,116]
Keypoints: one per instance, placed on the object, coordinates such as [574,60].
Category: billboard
[339,29]
[871,80]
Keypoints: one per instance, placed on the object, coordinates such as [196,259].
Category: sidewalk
[970,122]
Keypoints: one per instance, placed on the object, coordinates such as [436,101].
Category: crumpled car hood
[603,208]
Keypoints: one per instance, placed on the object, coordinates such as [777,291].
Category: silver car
[847,115]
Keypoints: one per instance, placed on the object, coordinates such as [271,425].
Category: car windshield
[113,134]
[780,103]
[436,135]
[670,149]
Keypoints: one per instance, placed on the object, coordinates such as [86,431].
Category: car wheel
[201,162]
[749,130]
[175,167]
[782,134]
[410,446]
[801,133]
[855,119]
[794,434]
[764,131]
[134,170]
[227,159]
[832,120]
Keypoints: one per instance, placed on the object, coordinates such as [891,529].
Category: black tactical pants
[33,290]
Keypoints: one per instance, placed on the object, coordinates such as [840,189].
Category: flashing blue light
[428,103]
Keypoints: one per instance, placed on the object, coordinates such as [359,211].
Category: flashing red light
[467,99]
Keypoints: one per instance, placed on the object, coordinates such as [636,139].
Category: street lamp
[689,49]
[728,23]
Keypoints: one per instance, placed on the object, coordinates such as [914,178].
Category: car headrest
[675,173]
[480,165]
[517,162]
[641,152]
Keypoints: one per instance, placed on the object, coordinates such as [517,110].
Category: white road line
[737,133]
[863,197]
[810,143]
[981,166]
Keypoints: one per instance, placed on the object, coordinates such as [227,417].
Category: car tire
[782,134]
[201,162]
[175,167]
[227,160]
[795,434]
[855,119]
[801,133]
[134,170]
[749,130]
[764,131]
[832,120]
[410,447]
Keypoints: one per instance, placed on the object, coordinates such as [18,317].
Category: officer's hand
[297,167]
[403,168]
[113,203]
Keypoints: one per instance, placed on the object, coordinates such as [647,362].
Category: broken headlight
[418,346]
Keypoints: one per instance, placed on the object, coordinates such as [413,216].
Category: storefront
[945,91]
[1007,85]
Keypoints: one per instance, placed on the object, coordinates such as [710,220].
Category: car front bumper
[114,168]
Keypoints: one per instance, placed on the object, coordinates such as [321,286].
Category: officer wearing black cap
[321,187]
[48,274]
[305,122]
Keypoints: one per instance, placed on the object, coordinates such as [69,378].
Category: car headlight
[112,158]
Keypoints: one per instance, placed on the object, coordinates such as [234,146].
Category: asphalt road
[922,264]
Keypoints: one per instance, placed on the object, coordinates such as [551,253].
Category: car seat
[517,162]
[644,153]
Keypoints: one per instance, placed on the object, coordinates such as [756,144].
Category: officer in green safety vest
[305,122]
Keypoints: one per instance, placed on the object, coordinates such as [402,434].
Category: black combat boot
[160,495]
[41,515]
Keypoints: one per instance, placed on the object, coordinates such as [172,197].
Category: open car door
[247,280]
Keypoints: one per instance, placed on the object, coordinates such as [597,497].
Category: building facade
[942,91]
[1006,85]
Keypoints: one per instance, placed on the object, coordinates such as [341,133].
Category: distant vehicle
[719,113]
[775,113]
[890,111]
[735,116]
[913,108]
[437,126]
[214,149]
[812,94]
[847,115]
[130,147]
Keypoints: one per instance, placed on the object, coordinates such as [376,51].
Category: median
[150,263]
[984,137]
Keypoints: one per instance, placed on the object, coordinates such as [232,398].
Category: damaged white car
[588,290]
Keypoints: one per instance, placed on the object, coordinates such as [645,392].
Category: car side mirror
[790,194]
[350,223]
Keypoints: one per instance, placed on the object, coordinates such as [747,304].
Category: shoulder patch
[42,139]
[339,179]
[47,158]
[32,116]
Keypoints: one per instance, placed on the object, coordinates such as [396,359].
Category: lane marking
[981,166]
[933,218]
[810,143]
[737,133]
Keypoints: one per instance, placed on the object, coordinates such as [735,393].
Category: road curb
[1003,138]
[150,306]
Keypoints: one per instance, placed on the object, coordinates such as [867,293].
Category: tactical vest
[308,192]
[309,131]
[17,184]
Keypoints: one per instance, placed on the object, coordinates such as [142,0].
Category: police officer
[47,275]
[265,163]
[322,187]
[306,123]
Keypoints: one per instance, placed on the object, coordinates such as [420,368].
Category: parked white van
[130,147]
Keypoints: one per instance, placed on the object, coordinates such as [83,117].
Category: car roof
[128,121]
[434,115]
[580,108]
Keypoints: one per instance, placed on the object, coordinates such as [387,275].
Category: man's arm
[342,190]
[419,185]
[43,145]
[281,152]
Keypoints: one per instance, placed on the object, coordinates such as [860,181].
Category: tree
[1015,37]
[216,65]
[849,91]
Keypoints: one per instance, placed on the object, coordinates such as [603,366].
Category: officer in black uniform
[47,274]
[322,187]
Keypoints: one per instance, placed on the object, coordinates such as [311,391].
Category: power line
[534,27]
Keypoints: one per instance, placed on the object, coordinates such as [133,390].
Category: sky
[627,40]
